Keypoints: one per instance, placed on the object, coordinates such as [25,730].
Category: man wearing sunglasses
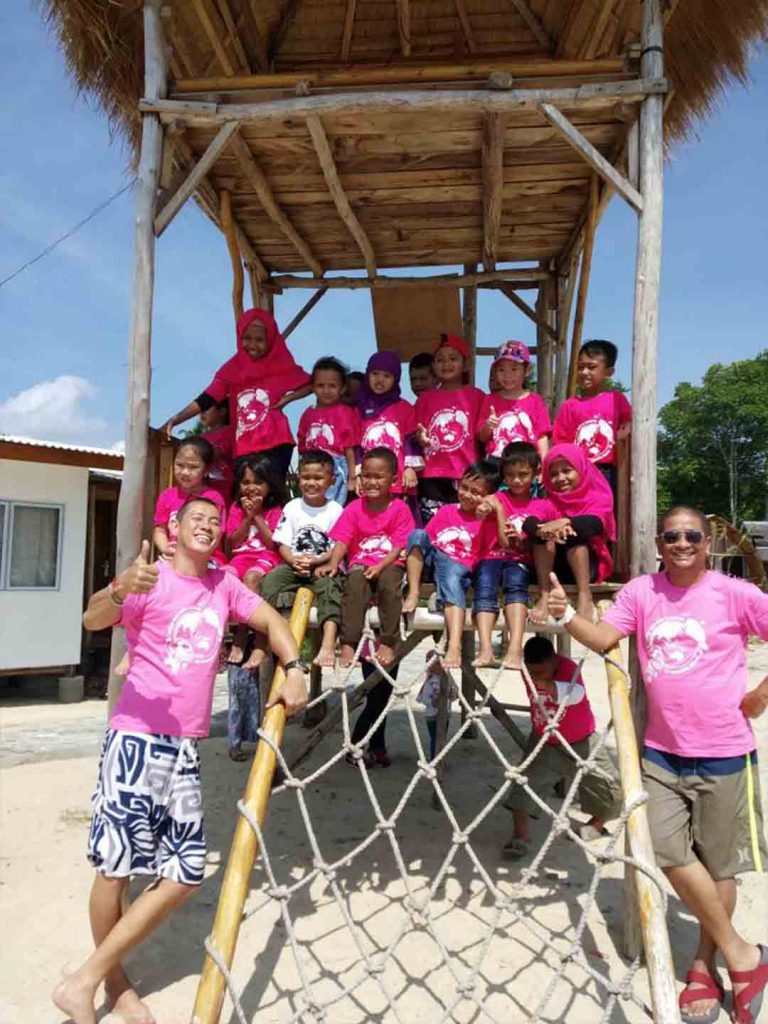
[699,752]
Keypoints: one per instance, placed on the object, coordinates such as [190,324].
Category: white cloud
[55,410]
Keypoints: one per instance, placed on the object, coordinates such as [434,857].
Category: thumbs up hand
[557,598]
[140,576]
[493,420]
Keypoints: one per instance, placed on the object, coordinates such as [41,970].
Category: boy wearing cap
[512,413]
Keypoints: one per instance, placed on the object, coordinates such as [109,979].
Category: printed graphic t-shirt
[389,430]
[254,542]
[577,722]
[520,419]
[456,534]
[451,419]
[329,428]
[516,511]
[305,528]
[174,634]
[593,424]
[370,536]
[693,653]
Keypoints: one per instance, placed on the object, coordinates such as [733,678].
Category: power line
[73,230]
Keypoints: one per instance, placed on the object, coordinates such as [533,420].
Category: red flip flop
[747,1003]
[711,988]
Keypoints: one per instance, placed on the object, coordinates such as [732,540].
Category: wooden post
[242,854]
[130,507]
[581,299]
[566,292]
[544,347]
[469,319]
[228,224]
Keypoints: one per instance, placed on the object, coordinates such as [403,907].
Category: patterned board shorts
[147,808]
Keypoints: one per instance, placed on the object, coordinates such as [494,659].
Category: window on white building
[30,546]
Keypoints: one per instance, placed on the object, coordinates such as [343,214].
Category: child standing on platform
[506,558]
[303,541]
[450,546]
[599,418]
[512,413]
[557,681]
[191,463]
[220,435]
[331,426]
[447,420]
[421,373]
[386,419]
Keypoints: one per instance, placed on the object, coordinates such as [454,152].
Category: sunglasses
[691,536]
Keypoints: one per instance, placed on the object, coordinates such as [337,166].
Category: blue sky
[66,319]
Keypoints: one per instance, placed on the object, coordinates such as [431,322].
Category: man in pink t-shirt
[699,757]
[147,808]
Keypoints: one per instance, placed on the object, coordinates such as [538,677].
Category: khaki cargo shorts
[705,809]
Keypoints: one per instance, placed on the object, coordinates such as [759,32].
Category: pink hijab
[276,368]
[592,496]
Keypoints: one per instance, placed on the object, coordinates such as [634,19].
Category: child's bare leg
[485,622]
[385,654]
[252,580]
[544,560]
[327,653]
[454,618]
[75,995]
[515,613]
[239,638]
[414,567]
[522,825]
[346,656]
[578,559]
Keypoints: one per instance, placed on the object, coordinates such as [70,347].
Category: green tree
[713,442]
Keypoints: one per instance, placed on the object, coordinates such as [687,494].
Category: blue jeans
[492,572]
[338,489]
[452,579]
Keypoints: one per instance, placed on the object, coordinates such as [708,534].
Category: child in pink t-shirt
[597,419]
[386,419]
[447,419]
[332,426]
[556,693]
[513,413]
[450,547]
[193,459]
[371,535]
[219,434]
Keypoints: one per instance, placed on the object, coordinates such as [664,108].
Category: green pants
[327,590]
[599,797]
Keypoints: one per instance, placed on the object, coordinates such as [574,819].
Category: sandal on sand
[747,1003]
[711,988]
[589,834]
[237,754]
[515,848]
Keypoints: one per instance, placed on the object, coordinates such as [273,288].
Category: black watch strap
[296,663]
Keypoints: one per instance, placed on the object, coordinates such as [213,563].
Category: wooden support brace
[469,317]
[255,35]
[287,18]
[258,181]
[195,176]
[533,24]
[493,184]
[349,26]
[213,36]
[593,156]
[308,306]
[331,175]
[233,32]
[581,299]
[466,27]
[404,26]
[523,306]
[228,227]
[523,277]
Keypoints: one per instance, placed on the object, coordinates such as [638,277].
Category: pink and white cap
[514,351]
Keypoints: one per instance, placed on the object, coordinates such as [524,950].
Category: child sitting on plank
[331,426]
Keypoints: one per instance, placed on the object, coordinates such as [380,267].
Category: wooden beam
[331,175]
[466,27]
[228,226]
[566,293]
[213,36]
[596,30]
[254,34]
[546,338]
[581,299]
[175,202]
[287,17]
[308,306]
[469,317]
[404,26]
[533,24]
[349,25]
[383,281]
[523,306]
[258,181]
[595,94]
[592,155]
[493,182]
[233,33]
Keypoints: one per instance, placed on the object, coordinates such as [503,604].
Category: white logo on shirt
[514,425]
[448,430]
[382,434]
[675,644]
[252,407]
[456,542]
[320,435]
[194,637]
[595,436]
[378,546]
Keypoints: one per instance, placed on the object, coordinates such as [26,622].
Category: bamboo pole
[581,298]
[524,276]
[242,854]
[469,318]
[545,338]
[228,227]
[658,953]
[130,507]
[523,306]
[308,306]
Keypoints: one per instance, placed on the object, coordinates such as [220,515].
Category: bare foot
[237,754]
[585,606]
[540,611]
[410,602]
[121,668]
[513,659]
[385,654]
[346,656]
[235,655]
[256,658]
[484,658]
[74,998]
[326,657]
[128,1006]
[700,1007]
[452,657]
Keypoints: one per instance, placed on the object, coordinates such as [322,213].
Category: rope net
[395,903]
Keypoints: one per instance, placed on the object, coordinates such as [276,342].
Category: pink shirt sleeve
[350,434]
[301,432]
[234,518]
[754,611]
[218,389]
[402,526]
[622,614]
[131,609]
[541,422]
[562,429]
[345,527]
[624,409]
[242,601]
[163,509]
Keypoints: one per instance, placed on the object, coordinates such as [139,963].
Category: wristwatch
[296,663]
[112,588]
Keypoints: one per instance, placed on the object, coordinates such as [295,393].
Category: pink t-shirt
[517,511]
[330,428]
[254,542]
[257,425]
[370,536]
[174,634]
[389,430]
[577,722]
[220,476]
[693,647]
[451,419]
[456,534]
[592,424]
[173,498]
[520,419]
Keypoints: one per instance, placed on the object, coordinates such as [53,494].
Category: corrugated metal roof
[60,446]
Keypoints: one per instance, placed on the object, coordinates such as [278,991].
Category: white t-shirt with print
[304,528]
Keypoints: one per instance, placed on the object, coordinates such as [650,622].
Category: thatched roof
[413,180]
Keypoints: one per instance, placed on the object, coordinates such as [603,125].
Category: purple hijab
[369,404]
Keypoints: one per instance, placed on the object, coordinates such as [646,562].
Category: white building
[57,509]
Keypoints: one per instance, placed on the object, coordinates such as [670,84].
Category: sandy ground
[49,759]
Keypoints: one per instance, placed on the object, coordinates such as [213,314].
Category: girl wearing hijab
[259,380]
[575,545]
[447,420]
[386,418]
